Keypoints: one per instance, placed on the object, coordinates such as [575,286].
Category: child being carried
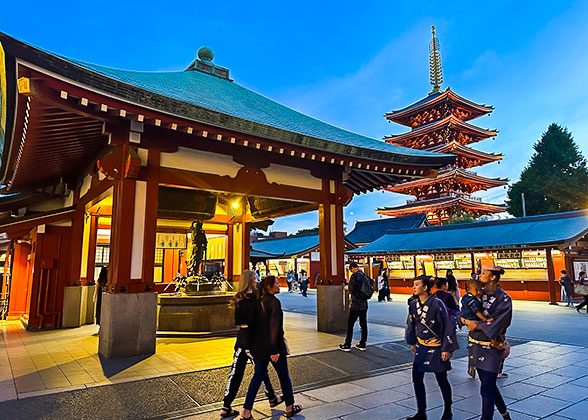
[471,307]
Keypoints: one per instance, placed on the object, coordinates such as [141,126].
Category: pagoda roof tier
[450,180]
[463,108]
[440,132]
[434,205]
[467,157]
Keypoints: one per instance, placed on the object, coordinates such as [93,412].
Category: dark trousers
[584,303]
[353,315]
[240,359]
[420,393]
[490,395]
[281,367]
[289,286]
[98,306]
[381,295]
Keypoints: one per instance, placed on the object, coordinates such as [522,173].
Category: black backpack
[367,288]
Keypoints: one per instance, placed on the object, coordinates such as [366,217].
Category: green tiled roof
[221,95]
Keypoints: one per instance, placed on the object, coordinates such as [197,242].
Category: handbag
[581,289]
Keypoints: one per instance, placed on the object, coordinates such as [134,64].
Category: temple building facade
[112,169]
[440,123]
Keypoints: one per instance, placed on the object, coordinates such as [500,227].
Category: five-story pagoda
[439,123]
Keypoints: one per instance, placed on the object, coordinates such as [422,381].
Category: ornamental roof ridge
[437,97]
[451,119]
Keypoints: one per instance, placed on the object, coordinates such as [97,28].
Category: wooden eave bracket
[120,162]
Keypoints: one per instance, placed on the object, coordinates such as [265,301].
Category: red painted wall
[19,281]
[50,258]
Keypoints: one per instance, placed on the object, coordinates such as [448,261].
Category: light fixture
[235,204]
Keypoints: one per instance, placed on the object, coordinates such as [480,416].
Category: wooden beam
[247,182]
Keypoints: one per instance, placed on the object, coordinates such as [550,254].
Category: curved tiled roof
[370,230]
[227,97]
[290,245]
[521,232]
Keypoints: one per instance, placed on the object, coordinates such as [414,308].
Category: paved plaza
[49,374]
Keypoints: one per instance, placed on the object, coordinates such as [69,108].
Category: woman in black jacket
[269,346]
[245,303]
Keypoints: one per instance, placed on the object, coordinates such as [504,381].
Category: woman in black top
[245,303]
[269,346]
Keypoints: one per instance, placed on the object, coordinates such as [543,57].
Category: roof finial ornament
[435,69]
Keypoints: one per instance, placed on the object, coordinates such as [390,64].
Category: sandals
[295,410]
[276,401]
[229,412]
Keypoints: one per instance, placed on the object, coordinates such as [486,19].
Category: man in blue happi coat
[431,335]
[487,346]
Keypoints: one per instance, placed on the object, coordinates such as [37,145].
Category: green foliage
[556,178]
[316,229]
[461,216]
[308,230]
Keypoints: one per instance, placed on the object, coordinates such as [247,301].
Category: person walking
[386,282]
[269,346]
[567,289]
[447,298]
[304,282]
[381,287]
[583,281]
[358,308]
[432,339]
[290,280]
[100,288]
[487,347]
[245,304]
[452,286]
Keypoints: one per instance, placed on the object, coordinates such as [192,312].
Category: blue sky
[348,63]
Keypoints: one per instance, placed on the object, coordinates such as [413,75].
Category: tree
[556,178]
[308,230]
[316,229]
[461,216]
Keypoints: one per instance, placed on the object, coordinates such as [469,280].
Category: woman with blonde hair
[246,313]
[268,346]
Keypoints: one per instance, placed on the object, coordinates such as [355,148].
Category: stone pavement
[37,363]
[545,381]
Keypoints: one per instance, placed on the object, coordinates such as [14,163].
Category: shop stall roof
[289,246]
[522,232]
[369,230]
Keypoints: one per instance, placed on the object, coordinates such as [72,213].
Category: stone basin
[202,313]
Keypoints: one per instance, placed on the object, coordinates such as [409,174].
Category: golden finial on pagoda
[435,69]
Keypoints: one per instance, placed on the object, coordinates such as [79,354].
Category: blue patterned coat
[497,305]
[432,332]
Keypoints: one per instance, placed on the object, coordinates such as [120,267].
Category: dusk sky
[347,63]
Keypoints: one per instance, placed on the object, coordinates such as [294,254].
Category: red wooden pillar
[229,253]
[472,256]
[415,266]
[77,240]
[332,302]
[245,238]
[91,265]
[123,205]
[129,315]
[550,277]
[150,225]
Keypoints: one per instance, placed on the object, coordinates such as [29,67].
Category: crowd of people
[435,312]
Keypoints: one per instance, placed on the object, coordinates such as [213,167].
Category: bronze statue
[199,244]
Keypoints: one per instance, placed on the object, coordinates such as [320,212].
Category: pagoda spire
[435,69]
